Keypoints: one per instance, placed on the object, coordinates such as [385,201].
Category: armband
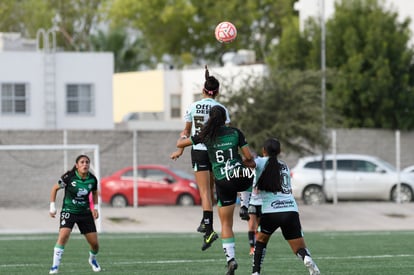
[95,207]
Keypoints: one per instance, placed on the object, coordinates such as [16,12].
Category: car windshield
[386,164]
[183,174]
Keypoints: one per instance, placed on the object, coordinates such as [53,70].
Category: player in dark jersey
[232,173]
[77,183]
[195,117]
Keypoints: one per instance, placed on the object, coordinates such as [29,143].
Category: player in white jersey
[195,117]
[279,208]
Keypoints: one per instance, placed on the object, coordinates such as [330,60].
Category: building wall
[78,68]
[27,176]
[138,92]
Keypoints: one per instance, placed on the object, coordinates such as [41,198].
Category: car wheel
[406,193]
[119,201]
[185,200]
[313,195]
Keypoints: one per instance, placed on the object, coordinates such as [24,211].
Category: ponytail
[270,179]
[211,84]
[217,119]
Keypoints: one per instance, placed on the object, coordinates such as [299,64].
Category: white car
[358,177]
[409,169]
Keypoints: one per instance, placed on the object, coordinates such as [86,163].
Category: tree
[282,104]
[129,49]
[186,28]
[368,49]
[25,16]
[374,61]
[74,20]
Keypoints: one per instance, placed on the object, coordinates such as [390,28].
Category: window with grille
[14,98]
[79,99]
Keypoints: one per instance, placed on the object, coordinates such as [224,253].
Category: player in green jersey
[232,173]
[77,183]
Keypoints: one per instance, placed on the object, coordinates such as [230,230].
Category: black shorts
[227,190]
[288,222]
[85,222]
[200,160]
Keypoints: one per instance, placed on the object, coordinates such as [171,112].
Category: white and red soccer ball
[225,32]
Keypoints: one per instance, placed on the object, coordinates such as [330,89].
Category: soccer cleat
[54,270]
[251,253]
[311,266]
[244,213]
[208,240]
[201,228]
[231,267]
[94,264]
[256,273]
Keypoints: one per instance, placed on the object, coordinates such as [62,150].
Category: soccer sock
[57,254]
[229,248]
[252,238]
[259,255]
[92,254]
[208,220]
[302,252]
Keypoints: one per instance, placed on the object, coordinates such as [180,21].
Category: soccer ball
[225,32]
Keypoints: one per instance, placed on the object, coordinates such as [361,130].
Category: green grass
[334,252]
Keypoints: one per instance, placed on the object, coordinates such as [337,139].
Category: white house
[41,88]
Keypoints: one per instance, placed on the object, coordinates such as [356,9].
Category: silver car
[356,177]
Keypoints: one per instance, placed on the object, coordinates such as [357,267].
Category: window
[318,165]
[345,165]
[79,99]
[14,98]
[175,106]
[365,166]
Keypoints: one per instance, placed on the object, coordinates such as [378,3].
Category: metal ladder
[47,39]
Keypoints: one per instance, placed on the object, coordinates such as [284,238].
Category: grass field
[335,253]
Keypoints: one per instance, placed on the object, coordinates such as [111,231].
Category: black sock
[208,220]
[259,254]
[302,252]
[251,235]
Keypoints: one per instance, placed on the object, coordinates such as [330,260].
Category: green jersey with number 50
[224,151]
[76,199]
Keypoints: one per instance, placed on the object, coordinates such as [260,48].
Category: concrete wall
[27,176]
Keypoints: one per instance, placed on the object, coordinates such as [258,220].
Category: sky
[405,8]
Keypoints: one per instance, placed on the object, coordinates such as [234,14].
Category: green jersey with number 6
[223,152]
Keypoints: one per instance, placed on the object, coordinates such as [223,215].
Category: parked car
[358,177]
[409,169]
[157,185]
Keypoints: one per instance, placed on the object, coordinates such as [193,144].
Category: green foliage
[25,16]
[74,20]
[282,104]
[129,53]
[368,49]
[183,28]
